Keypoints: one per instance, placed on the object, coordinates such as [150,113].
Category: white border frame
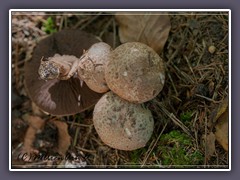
[113,10]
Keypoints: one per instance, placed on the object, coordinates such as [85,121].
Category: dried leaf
[35,125]
[64,139]
[219,117]
[151,29]
[210,145]
[219,110]
[222,130]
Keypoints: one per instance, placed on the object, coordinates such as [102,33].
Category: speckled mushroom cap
[60,97]
[135,72]
[120,124]
[91,67]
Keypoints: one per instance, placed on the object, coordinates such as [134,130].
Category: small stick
[174,119]
[190,67]
[105,28]
[216,102]
[90,21]
[85,150]
[145,159]
[175,89]
[114,33]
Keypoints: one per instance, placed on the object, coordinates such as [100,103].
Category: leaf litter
[197,83]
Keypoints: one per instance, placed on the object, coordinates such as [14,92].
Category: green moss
[186,116]
[177,149]
[49,26]
[136,155]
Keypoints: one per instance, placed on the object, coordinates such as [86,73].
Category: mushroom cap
[60,97]
[91,67]
[121,124]
[135,72]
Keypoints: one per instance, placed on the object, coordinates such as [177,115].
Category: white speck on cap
[81,82]
[128,132]
[162,78]
[134,50]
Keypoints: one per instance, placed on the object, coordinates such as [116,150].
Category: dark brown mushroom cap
[60,97]
[135,72]
[121,124]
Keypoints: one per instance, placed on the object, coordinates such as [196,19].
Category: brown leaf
[150,29]
[222,130]
[219,117]
[219,110]
[210,145]
[35,125]
[64,139]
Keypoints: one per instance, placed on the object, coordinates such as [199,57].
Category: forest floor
[190,113]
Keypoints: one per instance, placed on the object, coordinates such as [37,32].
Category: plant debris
[196,84]
[149,28]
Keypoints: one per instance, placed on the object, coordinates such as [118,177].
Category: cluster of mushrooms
[117,81]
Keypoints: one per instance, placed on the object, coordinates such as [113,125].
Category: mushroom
[135,72]
[120,124]
[57,96]
[91,66]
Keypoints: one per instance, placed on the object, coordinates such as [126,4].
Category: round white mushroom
[120,124]
[135,72]
[91,66]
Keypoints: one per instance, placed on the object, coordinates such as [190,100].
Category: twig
[174,119]
[105,28]
[16,69]
[85,150]
[87,135]
[183,74]
[79,125]
[90,21]
[202,53]
[80,22]
[190,67]
[194,126]
[154,145]
[114,33]
[205,137]
[198,95]
[183,40]
[76,137]
[173,84]
[61,23]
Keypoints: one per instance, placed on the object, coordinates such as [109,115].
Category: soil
[197,83]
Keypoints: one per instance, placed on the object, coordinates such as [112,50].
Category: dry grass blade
[35,126]
[173,118]
[154,145]
[105,28]
[90,21]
